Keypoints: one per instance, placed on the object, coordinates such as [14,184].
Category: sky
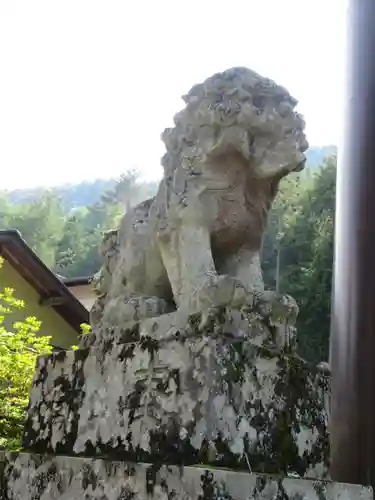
[87,86]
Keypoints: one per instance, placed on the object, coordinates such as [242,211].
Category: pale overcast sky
[87,86]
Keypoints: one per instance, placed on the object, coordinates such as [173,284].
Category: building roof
[53,291]
[79,281]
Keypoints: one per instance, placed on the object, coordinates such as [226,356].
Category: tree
[124,191]
[41,224]
[78,249]
[19,349]
[72,247]
[309,275]
[280,219]
[305,253]
[66,234]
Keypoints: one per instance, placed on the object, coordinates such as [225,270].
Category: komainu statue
[196,244]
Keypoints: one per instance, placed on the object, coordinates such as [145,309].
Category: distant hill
[71,195]
[316,155]
[74,196]
[87,193]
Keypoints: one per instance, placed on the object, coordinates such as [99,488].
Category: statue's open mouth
[300,166]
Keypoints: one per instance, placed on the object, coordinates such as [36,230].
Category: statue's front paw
[223,291]
[278,307]
[280,313]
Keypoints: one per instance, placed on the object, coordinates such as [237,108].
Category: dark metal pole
[353,312]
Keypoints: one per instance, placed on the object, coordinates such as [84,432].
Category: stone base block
[31,477]
[214,390]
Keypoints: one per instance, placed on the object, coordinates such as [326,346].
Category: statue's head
[237,111]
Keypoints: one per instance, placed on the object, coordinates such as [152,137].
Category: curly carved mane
[236,110]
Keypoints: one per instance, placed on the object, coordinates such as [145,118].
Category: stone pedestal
[224,389]
[31,477]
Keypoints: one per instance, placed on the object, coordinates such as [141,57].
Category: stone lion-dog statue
[196,244]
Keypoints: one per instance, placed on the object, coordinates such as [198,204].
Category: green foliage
[41,223]
[19,348]
[78,249]
[67,239]
[86,330]
[305,253]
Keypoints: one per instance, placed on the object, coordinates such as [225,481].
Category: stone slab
[33,477]
[210,393]
[269,322]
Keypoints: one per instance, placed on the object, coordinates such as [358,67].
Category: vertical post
[353,311]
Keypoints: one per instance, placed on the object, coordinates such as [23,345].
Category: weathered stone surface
[31,477]
[269,321]
[222,388]
[196,244]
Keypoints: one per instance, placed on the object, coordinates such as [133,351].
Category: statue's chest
[233,214]
[234,208]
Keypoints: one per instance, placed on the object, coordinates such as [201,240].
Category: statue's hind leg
[139,288]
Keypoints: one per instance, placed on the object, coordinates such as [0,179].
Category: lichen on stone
[33,477]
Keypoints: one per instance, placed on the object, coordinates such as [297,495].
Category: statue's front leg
[196,285]
[245,266]
[187,258]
